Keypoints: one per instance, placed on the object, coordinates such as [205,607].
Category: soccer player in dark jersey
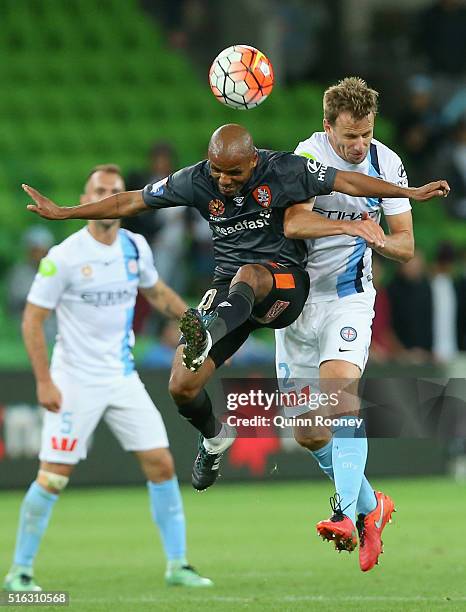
[259,280]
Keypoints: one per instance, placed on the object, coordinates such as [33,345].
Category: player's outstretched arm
[357,184]
[124,204]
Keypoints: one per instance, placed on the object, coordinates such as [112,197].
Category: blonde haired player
[91,280]
[330,340]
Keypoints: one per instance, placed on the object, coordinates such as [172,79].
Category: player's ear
[255,159]
[327,126]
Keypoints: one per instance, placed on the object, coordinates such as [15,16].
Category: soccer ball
[241,77]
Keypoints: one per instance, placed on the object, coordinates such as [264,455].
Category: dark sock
[199,413]
[233,311]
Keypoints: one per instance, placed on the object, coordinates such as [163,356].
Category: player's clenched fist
[367,229]
[437,189]
[49,396]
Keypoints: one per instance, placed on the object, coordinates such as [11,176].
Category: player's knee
[182,390]
[257,277]
[158,466]
[54,483]
[312,441]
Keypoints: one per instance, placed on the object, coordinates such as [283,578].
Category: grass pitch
[257,542]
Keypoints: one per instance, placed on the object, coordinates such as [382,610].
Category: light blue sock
[349,454]
[167,511]
[366,499]
[34,517]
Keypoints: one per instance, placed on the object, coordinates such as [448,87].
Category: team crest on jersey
[86,271]
[133,266]
[216,208]
[348,333]
[263,196]
[157,188]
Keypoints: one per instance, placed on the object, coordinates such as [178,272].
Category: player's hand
[437,189]
[43,206]
[367,229]
[49,396]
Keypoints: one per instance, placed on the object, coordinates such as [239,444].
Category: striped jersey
[93,287]
[342,265]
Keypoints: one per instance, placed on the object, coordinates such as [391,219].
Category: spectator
[461,300]
[418,127]
[160,354]
[385,346]
[444,305]
[441,37]
[37,240]
[452,165]
[411,306]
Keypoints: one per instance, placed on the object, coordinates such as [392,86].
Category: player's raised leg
[250,285]
[34,518]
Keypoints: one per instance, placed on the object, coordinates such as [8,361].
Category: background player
[259,279]
[91,280]
[331,338]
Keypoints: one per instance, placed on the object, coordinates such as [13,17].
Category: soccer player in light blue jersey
[91,280]
[330,340]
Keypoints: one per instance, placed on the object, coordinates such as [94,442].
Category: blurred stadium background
[125,81]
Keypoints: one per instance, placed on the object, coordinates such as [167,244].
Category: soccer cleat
[339,528]
[187,576]
[370,527]
[206,465]
[18,580]
[193,326]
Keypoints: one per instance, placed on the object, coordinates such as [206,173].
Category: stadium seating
[88,82]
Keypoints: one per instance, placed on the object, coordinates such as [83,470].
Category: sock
[34,517]
[366,499]
[233,311]
[222,441]
[200,414]
[349,454]
[167,511]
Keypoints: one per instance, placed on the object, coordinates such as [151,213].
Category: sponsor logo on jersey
[133,266]
[241,225]
[238,200]
[158,187]
[348,333]
[263,196]
[216,208]
[107,298]
[354,215]
[47,267]
[86,271]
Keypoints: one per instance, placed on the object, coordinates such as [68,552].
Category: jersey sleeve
[394,172]
[174,190]
[50,281]
[302,178]
[148,274]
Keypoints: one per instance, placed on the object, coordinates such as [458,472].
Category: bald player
[260,279]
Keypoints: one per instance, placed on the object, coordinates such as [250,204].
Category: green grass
[258,543]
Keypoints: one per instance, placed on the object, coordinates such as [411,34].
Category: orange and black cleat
[339,528]
[370,527]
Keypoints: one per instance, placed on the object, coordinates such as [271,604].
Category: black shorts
[280,308]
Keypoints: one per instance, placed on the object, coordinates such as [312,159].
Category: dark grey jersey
[248,228]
